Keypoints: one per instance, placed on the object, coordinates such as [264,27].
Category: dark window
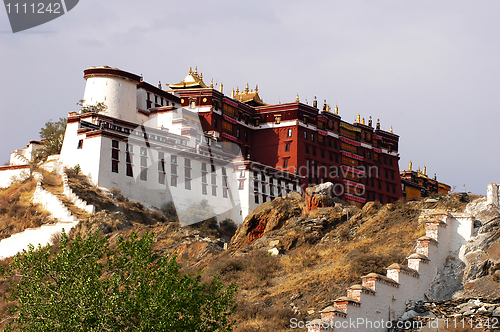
[212,168]
[223,170]
[307,149]
[246,136]
[204,189]
[215,123]
[173,181]
[204,167]
[238,134]
[80,144]
[187,172]
[224,192]
[114,166]
[144,162]
[187,184]
[305,135]
[314,151]
[287,147]
[285,163]
[312,137]
[129,170]
[115,154]
[214,179]
[330,156]
[322,153]
[187,162]
[173,169]
[214,191]
[256,198]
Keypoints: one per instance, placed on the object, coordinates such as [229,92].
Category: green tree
[86,286]
[97,108]
[52,135]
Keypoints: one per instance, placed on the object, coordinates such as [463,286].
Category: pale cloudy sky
[428,68]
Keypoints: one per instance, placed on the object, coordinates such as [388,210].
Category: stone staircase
[61,202]
[379,301]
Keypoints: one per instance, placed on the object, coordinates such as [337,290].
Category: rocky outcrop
[480,274]
[267,217]
[320,196]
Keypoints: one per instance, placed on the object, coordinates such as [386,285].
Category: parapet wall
[383,298]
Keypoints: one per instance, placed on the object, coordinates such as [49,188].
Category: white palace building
[155,151]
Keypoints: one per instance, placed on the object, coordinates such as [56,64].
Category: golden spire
[328,108]
[409,166]
[237,90]
[336,109]
[212,84]
[190,70]
[220,88]
[246,89]
[196,70]
[232,93]
[256,88]
[297,98]
[391,129]
[358,118]
[159,84]
[425,170]
[363,121]
[201,75]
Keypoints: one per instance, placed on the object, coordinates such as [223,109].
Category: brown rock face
[267,217]
[318,197]
[317,201]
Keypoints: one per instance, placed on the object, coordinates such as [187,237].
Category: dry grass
[17,212]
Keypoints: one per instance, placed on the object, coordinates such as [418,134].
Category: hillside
[285,263]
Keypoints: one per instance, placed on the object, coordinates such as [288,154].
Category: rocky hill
[293,256]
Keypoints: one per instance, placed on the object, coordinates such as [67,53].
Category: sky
[429,69]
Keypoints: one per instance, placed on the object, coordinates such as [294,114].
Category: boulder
[318,197]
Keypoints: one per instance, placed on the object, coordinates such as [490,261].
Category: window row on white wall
[169,169]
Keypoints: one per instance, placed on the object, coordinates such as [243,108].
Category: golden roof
[192,80]
[249,97]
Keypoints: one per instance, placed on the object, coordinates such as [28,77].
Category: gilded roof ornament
[201,75]
[336,109]
[220,88]
[159,84]
[297,98]
[246,89]
[196,70]
[256,88]
[232,93]
[237,90]
[391,129]
[409,166]
[212,84]
[190,70]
